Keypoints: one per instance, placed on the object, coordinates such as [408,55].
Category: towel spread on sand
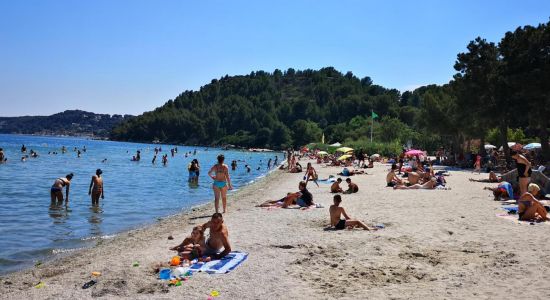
[514,218]
[219,266]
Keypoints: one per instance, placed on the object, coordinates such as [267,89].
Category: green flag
[374,115]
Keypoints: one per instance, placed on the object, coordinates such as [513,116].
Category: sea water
[136,193]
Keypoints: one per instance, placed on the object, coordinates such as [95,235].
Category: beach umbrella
[344,157]
[375,156]
[487,147]
[414,152]
[532,146]
[321,153]
[336,144]
[344,149]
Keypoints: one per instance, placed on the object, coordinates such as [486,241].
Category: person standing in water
[96,187]
[221,184]
[56,191]
[269,164]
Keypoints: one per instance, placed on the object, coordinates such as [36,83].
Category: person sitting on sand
[352,187]
[503,191]
[413,177]
[429,185]
[391,178]
[96,187]
[336,213]
[492,178]
[218,238]
[192,246]
[56,191]
[335,187]
[303,198]
[529,208]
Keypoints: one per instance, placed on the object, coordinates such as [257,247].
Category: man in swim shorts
[392,179]
[218,238]
[335,217]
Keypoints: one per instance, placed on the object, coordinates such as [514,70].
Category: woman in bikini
[56,191]
[222,182]
[524,171]
[311,174]
[96,187]
[529,208]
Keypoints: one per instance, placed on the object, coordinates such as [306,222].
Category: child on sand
[335,217]
[335,187]
[192,246]
[352,187]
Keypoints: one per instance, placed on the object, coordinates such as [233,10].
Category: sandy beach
[440,244]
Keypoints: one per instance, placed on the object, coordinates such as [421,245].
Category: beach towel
[218,266]
[514,218]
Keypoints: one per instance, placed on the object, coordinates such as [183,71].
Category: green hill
[69,122]
[275,109]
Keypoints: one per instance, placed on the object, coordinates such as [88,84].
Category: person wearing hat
[96,187]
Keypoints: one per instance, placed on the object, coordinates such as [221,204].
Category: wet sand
[443,244]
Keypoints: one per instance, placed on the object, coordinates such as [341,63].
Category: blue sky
[132,56]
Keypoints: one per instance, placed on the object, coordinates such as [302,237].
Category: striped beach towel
[220,266]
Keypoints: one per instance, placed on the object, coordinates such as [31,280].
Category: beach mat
[219,266]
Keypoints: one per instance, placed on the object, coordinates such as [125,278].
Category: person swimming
[56,191]
[222,182]
[96,187]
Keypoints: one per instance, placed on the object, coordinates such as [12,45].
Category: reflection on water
[95,219]
[59,212]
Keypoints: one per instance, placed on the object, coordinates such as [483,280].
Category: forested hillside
[278,109]
[69,122]
[500,91]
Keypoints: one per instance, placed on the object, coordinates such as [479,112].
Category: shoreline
[435,244]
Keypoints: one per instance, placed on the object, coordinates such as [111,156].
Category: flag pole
[372,124]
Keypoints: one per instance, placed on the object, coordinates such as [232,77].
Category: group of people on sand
[95,190]
[415,179]
[303,198]
[195,246]
[528,194]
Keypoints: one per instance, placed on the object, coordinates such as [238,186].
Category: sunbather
[492,178]
[503,191]
[303,198]
[529,208]
[429,185]
[336,212]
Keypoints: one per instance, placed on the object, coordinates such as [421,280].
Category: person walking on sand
[311,174]
[56,191]
[220,174]
[96,187]
[336,212]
